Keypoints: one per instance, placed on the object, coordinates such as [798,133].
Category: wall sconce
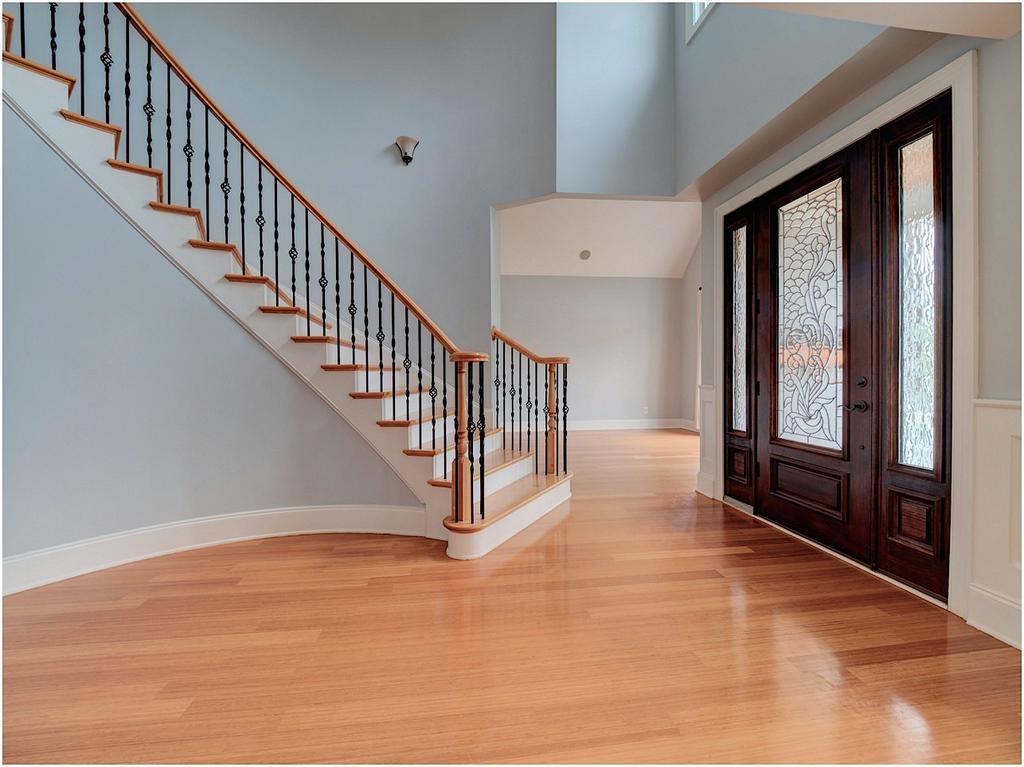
[406,147]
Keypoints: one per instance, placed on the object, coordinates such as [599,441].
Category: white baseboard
[635,423]
[706,484]
[994,614]
[37,568]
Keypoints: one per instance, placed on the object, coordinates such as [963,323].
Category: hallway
[641,622]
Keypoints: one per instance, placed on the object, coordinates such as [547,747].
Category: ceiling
[993,20]
[626,238]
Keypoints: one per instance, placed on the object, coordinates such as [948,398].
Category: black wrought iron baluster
[536,415]
[148,107]
[557,414]
[512,396]
[419,378]
[260,220]
[407,364]
[323,283]
[241,198]
[81,59]
[547,412]
[188,150]
[337,297]
[504,392]
[206,169]
[483,431]
[433,398]
[352,301]
[366,331]
[277,250]
[565,418]
[444,413]
[309,327]
[470,431]
[497,387]
[21,27]
[529,401]
[168,134]
[293,254]
[107,61]
[225,187]
[53,35]
[380,333]
[520,401]
[128,92]
[459,514]
[394,398]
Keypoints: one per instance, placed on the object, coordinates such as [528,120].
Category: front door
[838,318]
[815,373]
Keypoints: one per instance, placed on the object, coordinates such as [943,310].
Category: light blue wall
[743,67]
[615,98]
[130,398]
[324,89]
[999,156]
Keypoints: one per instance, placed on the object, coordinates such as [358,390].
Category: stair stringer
[37,100]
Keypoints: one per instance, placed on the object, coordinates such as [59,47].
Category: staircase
[215,206]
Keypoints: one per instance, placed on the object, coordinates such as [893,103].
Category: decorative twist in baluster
[309,329]
[470,431]
[352,309]
[225,187]
[81,58]
[241,198]
[512,396]
[107,61]
[188,150]
[551,424]
[521,401]
[407,364]
[565,418]
[433,398]
[322,282]
[380,333]
[167,135]
[148,107]
[206,169]
[337,298]
[53,35]
[293,254]
[547,412]
[260,220]
[483,432]
[127,91]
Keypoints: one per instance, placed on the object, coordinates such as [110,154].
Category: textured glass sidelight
[810,318]
[917,346]
[739,329]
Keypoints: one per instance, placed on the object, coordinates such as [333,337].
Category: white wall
[130,399]
[615,101]
[625,337]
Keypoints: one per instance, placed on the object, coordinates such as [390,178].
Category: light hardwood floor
[650,624]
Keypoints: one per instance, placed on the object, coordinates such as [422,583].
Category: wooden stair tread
[299,311]
[416,418]
[503,502]
[429,452]
[39,69]
[91,122]
[299,339]
[493,461]
[388,394]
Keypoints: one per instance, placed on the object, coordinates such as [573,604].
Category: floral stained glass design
[739,329]
[917,342]
[810,318]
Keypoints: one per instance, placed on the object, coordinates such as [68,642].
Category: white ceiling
[626,238]
[995,20]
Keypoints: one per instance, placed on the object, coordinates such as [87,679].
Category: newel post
[462,483]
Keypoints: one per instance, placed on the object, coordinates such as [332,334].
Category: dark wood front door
[838,317]
[815,371]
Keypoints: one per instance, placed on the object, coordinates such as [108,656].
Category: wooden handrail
[203,96]
[495,333]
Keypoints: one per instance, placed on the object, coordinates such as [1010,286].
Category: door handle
[859,406]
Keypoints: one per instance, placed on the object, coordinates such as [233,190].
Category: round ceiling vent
[584,255]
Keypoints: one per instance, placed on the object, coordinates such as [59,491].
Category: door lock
[859,406]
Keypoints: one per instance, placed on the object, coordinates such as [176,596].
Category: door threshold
[749,511]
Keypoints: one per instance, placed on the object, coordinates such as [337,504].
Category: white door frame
[959,76]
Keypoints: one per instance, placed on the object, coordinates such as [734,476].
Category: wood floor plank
[639,623]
